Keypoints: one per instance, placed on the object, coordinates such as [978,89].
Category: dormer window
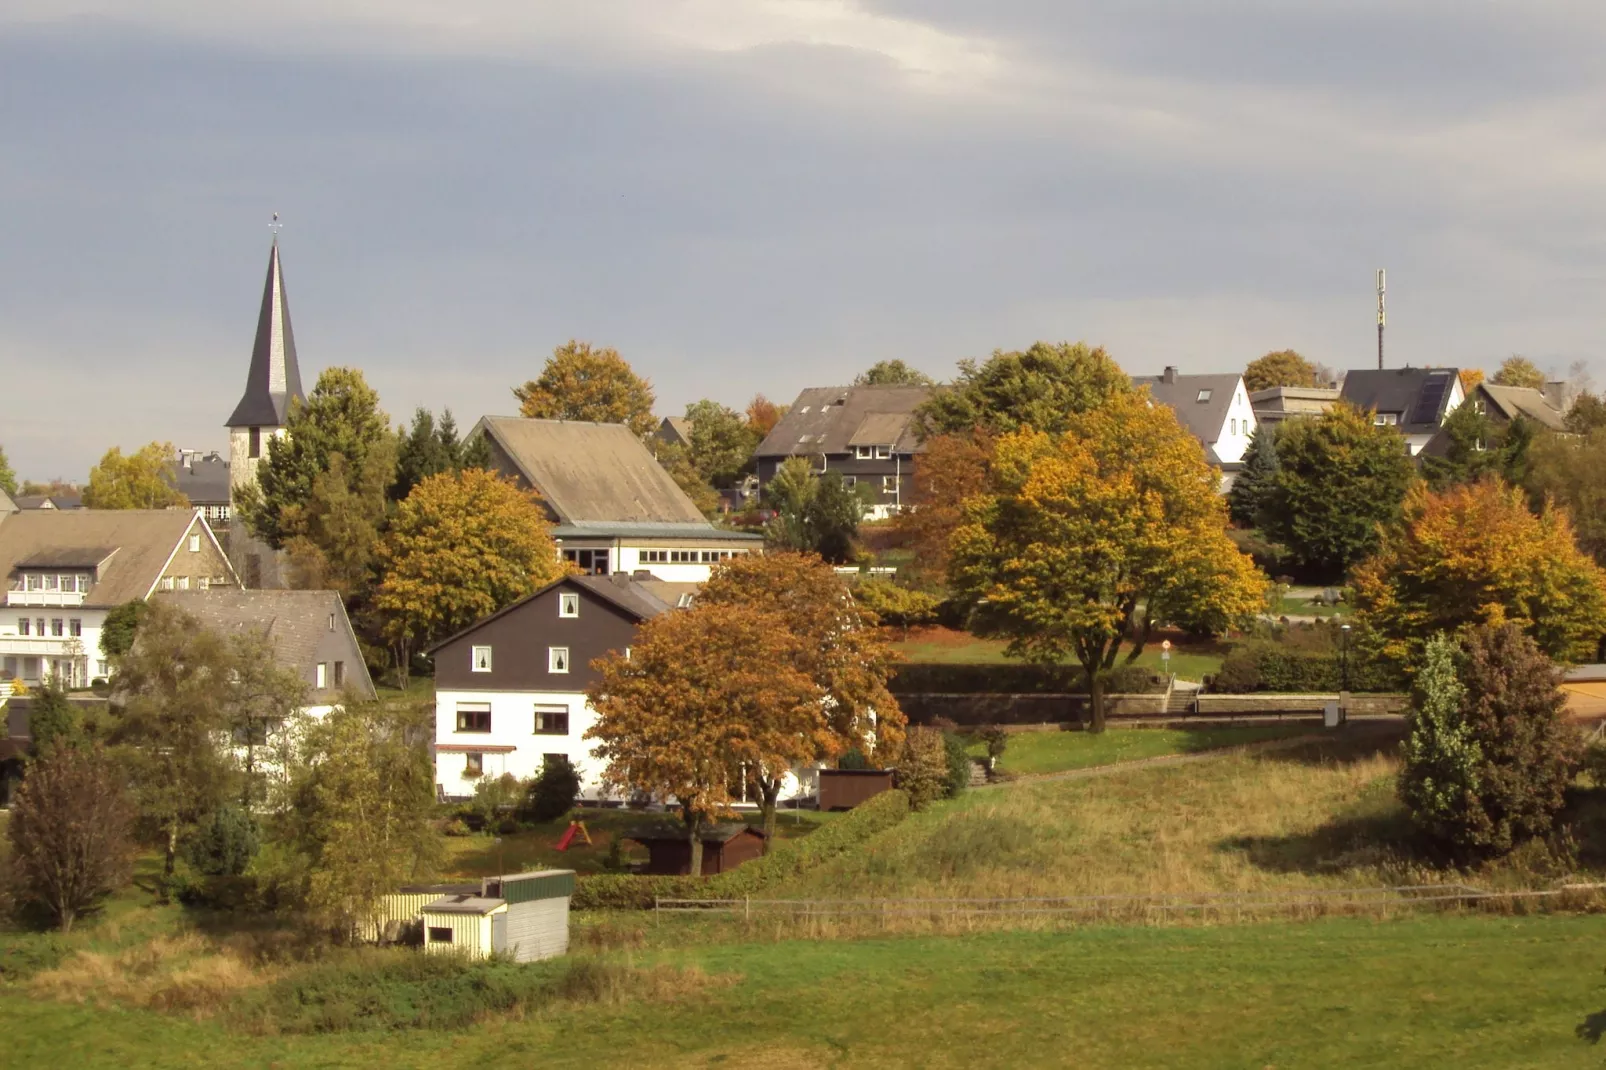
[1386,419]
[1204,395]
[883,453]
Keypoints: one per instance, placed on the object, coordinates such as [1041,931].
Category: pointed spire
[274,379]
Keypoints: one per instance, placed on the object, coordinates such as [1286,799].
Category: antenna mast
[1381,288]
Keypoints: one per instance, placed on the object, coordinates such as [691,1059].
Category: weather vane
[275,225]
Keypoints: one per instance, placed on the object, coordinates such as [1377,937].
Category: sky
[748,196]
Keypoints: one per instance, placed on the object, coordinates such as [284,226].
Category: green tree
[553,791]
[429,448]
[122,624]
[722,443]
[1473,449]
[897,606]
[53,720]
[364,802]
[1255,484]
[224,843]
[1587,414]
[70,833]
[1281,368]
[892,373]
[676,460]
[1043,388]
[923,770]
[259,698]
[1114,521]
[462,546]
[1441,758]
[1340,479]
[1567,471]
[8,475]
[1519,371]
[341,416]
[332,536]
[813,513]
[582,383]
[142,480]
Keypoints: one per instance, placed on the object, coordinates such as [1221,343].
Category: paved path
[1093,772]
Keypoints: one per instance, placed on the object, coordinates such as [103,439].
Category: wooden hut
[724,848]
[843,789]
[522,915]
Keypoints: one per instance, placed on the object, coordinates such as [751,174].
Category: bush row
[924,678]
[1260,666]
[628,891]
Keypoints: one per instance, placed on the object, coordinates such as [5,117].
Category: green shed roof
[541,884]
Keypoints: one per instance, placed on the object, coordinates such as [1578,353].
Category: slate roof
[1515,401]
[34,501]
[1419,397]
[143,541]
[623,591]
[1203,419]
[274,379]
[675,430]
[590,472]
[834,419]
[296,623]
[203,479]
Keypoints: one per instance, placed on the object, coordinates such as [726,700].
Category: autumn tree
[1474,555]
[952,470]
[170,724]
[1255,483]
[340,417]
[1115,521]
[1567,471]
[142,480]
[1281,368]
[721,442]
[814,512]
[334,534]
[892,373]
[1519,371]
[8,475]
[363,804]
[1587,414]
[704,692]
[582,383]
[462,546]
[837,646]
[1470,377]
[762,416]
[429,448]
[1043,388]
[71,833]
[1340,479]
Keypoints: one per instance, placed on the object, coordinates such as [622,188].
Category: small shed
[843,789]
[537,912]
[724,848]
[469,925]
[400,913]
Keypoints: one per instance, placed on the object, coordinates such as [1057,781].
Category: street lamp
[1344,658]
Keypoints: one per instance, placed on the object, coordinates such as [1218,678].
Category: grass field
[1469,992]
[1052,752]
[945,646]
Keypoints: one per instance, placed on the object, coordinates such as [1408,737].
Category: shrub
[853,759]
[923,769]
[1292,665]
[895,605]
[552,793]
[958,764]
[224,844]
[493,795]
[1016,679]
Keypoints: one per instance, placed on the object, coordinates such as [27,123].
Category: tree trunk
[694,838]
[1095,695]
[769,795]
[172,849]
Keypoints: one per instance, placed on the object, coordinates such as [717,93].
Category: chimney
[1556,395]
[1170,375]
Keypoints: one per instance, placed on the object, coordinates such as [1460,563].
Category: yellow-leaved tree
[1086,539]
[582,383]
[145,479]
[704,693]
[461,546]
[1474,555]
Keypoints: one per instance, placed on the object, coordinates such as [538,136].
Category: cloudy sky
[759,195]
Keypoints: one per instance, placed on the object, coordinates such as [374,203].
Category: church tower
[273,382]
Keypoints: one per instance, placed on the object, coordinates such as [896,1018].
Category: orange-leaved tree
[951,471]
[838,647]
[699,694]
[582,383]
[1087,538]
[1474,555]
[461,546]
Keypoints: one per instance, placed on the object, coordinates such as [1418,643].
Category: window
[1478,407]
[1234,426]
[568,604]
[23,626]
[331,622]
[254,446]
[557,659]
[182,583]
[75,628]
[655,557]
[102,668]
[863,453]
[552,720]
[440,934]
[203,583]
[883,453]
[473,716]
[473,764]
[850,481]
[195,544]
[50,583]
[1479,446]
[482,659]
[83,584]
[1386,419]
[58,626]
[39,626]
[685,600]
[320,676]
[1204,395]
[167,583]
[889,483]
[591,562]
[340,674]
[627,653]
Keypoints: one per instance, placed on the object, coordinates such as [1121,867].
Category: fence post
[747,908]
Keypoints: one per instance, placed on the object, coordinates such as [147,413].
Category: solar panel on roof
[1428,402]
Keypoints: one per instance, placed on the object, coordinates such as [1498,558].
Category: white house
[1214,408]
[1414,401]
[65,569]
[613,507]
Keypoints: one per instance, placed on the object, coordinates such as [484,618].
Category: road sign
[1166,645]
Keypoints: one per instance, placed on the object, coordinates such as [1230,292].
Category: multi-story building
[1278,403]
[64,570]
[866,433]
[1214,408]
[203,478]
[1413,401]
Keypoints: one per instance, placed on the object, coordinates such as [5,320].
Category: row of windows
[872,453]
[887,482]
[321,674]
[77,582]
[473,766]
[557,659]
[72,626]
[182,583]
[688,557]
[549,720]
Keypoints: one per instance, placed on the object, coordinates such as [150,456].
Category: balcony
[49,646]
[44,598]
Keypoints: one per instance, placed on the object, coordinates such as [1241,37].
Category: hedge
[1252,667]
[629,891]
[923,678]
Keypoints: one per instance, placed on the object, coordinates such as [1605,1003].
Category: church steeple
[274,379]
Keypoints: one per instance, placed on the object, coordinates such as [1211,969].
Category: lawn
[1464,991]
[1057,751]
[1306,607]
[945,646]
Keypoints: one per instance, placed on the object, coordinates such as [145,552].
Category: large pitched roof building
[1413,400]
[1214,408]
[613,507]
[867,433]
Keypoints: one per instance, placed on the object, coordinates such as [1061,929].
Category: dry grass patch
[170,973]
